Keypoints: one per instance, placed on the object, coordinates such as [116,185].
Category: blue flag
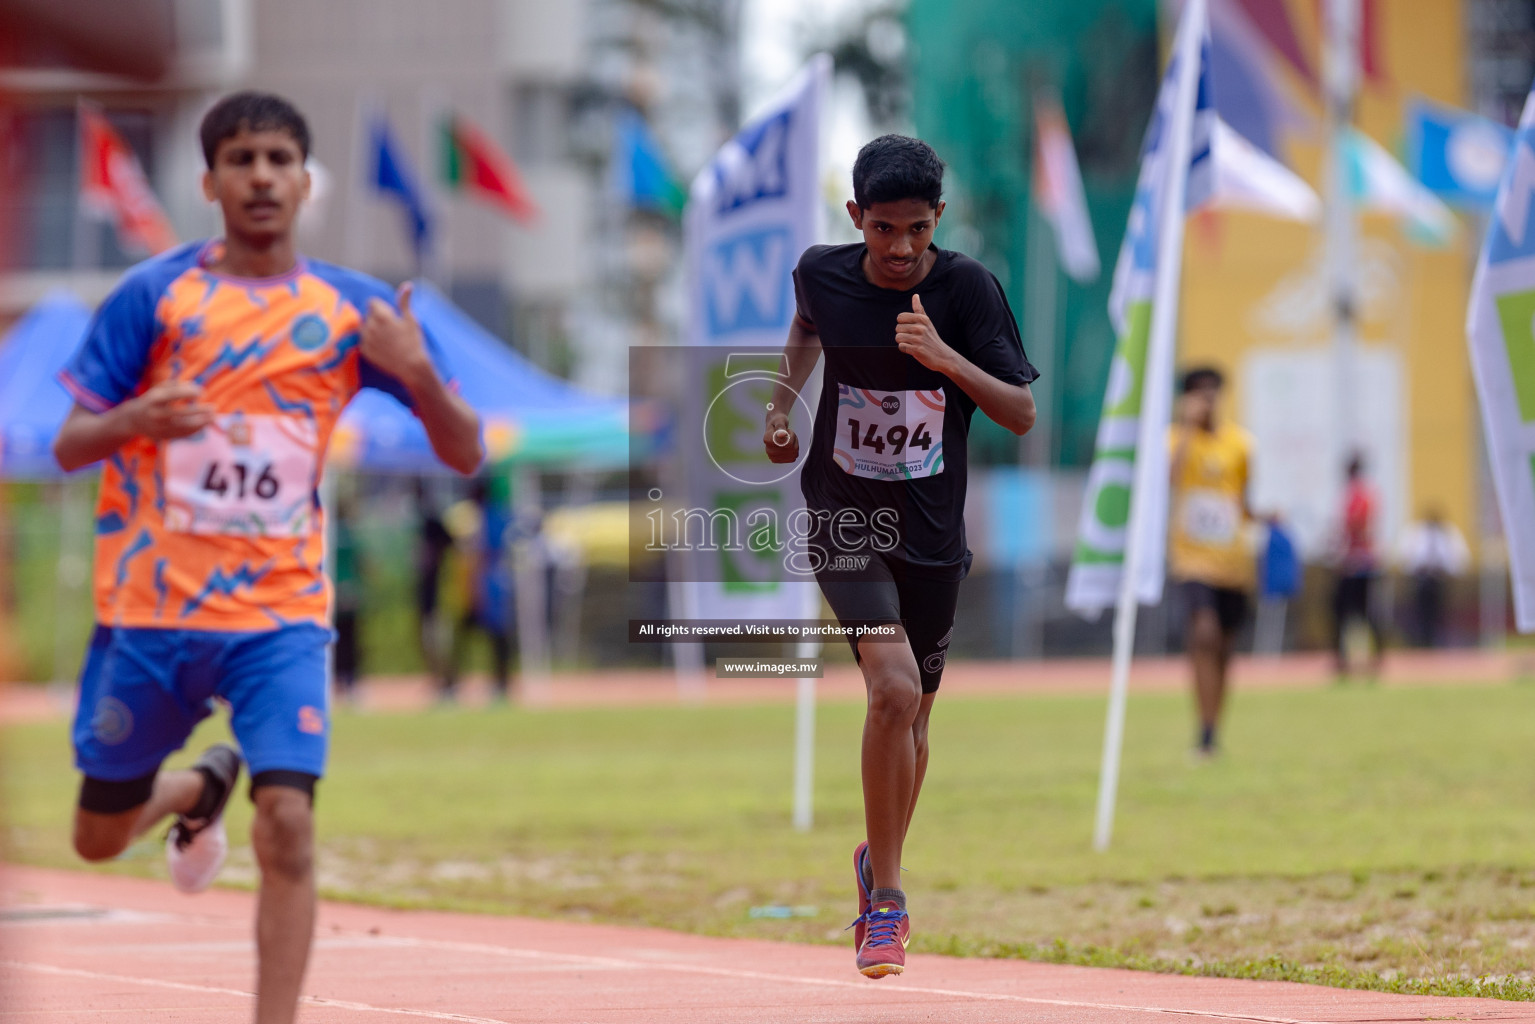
[641,175]
[1457,154]
[390,174]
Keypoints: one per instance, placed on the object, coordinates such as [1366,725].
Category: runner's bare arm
[168,410]
[1010,405]
[802,352]
[393,342]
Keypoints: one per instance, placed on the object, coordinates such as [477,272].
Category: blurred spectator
[347,580]
[1432,553]
[481,528]
[432,545]
[1358,565]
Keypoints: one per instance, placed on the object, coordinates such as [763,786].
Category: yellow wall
[1234,262]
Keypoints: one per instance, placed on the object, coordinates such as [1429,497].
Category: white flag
[1137,389]
[1058,193]
[1500,328]
[1224,171]
[1246,178]
[1379,183]
[752,210]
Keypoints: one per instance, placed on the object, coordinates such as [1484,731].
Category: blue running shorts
[142,691]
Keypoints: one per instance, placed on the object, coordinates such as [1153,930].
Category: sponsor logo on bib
[891,404]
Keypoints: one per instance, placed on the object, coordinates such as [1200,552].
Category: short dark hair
[1202,376]
[251,111]
[896,167]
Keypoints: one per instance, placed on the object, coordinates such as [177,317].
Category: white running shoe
[195,848]
[196,864]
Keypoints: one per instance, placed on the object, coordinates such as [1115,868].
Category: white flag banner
[1105,527]
[1248,179]
[1058,192]
[1379,183]
[1500,328]
[1225,171]
[752,210]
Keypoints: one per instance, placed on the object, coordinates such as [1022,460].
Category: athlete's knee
[101,837]
[894,698]
[1205,634]
[282,835]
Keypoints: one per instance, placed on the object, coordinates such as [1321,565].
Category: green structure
[975,66]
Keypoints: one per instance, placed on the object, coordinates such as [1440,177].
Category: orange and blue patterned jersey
[222,530]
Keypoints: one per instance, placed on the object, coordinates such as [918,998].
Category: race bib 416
[889,435]
[244,475]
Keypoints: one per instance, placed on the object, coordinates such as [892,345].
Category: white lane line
[339,1004]
[731,972]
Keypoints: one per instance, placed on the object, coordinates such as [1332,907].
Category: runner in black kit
[915,338]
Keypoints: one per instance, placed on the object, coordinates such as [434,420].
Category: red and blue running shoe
[860,925]
[884,946]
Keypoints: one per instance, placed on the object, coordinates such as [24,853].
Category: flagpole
[1341,80]
[1155,388]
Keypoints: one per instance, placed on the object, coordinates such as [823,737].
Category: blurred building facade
[543,81]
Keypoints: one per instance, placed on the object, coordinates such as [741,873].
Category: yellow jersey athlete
[1208,550]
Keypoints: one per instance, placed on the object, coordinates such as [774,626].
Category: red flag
[471,161]
[112,185]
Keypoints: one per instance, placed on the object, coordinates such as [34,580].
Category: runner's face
[897,234]
[259,181]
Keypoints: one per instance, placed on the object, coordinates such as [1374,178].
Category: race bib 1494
[244,475]
[889,435]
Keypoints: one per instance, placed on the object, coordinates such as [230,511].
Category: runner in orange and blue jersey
[208,385]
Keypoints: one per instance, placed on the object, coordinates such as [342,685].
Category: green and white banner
[1224,171]
[1138,389]
[1500,328]
[1093,583]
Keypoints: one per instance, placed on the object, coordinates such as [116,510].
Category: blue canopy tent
[531,417]
[32,402]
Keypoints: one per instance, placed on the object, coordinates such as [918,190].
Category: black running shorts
[882,590]
[1229,604]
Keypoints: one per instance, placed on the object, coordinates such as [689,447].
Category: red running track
[79,947]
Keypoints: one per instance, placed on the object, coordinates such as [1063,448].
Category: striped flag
[1058,193]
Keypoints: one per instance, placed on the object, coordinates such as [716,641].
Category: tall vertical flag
[113,186]
[1058,192]
[390,173]
[751,211]
[1500,328]
[1138,403]
[472,163]
[1124,520]
[1223,171]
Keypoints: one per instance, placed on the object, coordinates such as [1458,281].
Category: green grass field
[1374,837]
